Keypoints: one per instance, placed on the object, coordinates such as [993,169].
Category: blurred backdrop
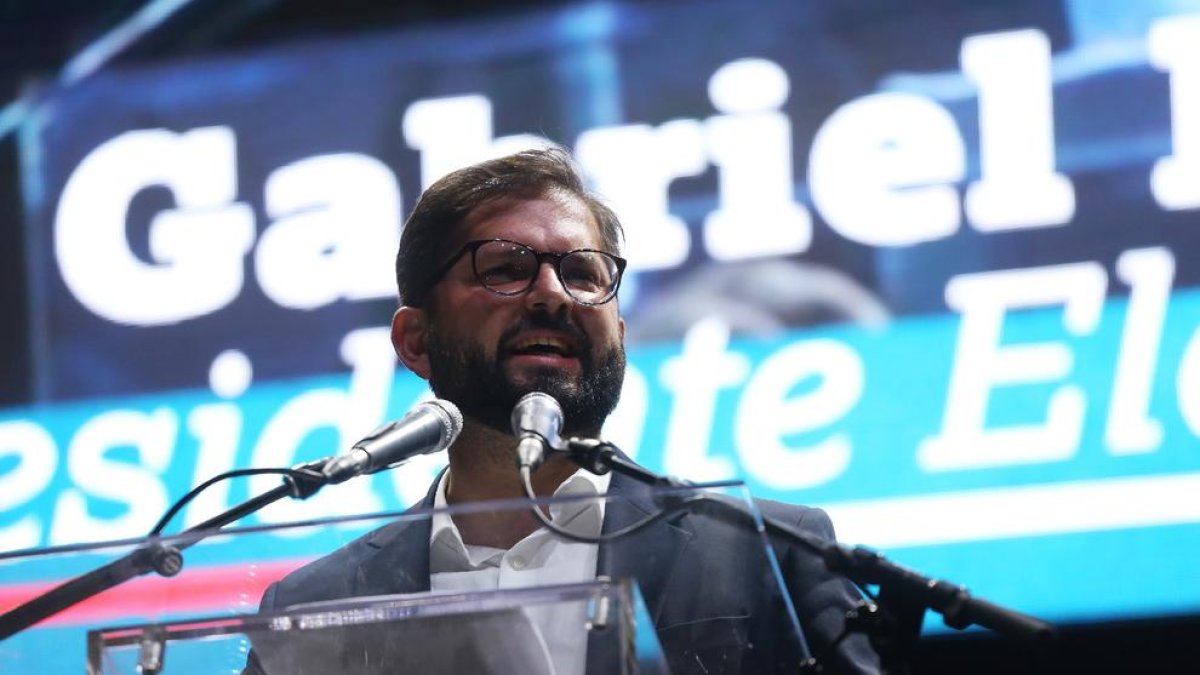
[921,264]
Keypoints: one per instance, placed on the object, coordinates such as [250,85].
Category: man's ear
[410,327]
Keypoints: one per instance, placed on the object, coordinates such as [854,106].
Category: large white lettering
[882,168]
[1174,46]
[1187,384]
[981,364]
[1019,187]
[695,378]
[97,475]
[450,133]
[751,144]
[1130,428]
[655,239]
[36,459]
[457,131]
[882,171]
[197,247]
[767,412]
[336,231]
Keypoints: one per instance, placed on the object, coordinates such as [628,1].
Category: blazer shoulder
[808,518]
[330,576]
[335,575]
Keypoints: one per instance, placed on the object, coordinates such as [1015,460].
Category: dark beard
[462,374]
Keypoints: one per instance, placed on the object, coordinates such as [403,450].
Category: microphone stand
[904,593]
[164,558]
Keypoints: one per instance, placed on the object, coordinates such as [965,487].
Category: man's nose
[546,291]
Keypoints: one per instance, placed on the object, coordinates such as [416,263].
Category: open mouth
[542,346]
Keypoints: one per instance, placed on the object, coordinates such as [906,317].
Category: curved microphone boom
[430,427]
[536,420]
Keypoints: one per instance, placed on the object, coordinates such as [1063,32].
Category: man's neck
[483,468]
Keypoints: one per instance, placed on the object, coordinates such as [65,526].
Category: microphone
[428,428]
[536,420]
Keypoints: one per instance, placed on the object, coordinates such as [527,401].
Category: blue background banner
[1010,527]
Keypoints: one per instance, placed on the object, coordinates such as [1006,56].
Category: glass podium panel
[672,576]
[482,632]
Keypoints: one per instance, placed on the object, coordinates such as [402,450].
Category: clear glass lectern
[368,608]
[486,633]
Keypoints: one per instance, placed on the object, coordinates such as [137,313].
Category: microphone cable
[527,483]
[296,477]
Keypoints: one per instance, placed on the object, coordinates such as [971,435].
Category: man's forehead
[484,220]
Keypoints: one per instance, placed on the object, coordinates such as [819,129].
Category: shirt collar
[584,517]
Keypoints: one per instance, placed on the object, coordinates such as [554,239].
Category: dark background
[38,38]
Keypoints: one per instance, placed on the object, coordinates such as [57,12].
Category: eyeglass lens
[509,268]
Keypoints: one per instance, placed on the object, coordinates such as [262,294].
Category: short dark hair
[434,227]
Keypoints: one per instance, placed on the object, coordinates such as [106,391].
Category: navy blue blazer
[704,583]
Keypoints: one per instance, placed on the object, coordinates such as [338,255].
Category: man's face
[488,350]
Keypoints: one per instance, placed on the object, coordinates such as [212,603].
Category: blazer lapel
[650,555]
[400,563]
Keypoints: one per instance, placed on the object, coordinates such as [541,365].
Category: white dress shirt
[542,558]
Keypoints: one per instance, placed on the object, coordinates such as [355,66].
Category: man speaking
[508,273]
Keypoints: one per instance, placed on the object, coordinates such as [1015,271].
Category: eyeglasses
[508,268]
